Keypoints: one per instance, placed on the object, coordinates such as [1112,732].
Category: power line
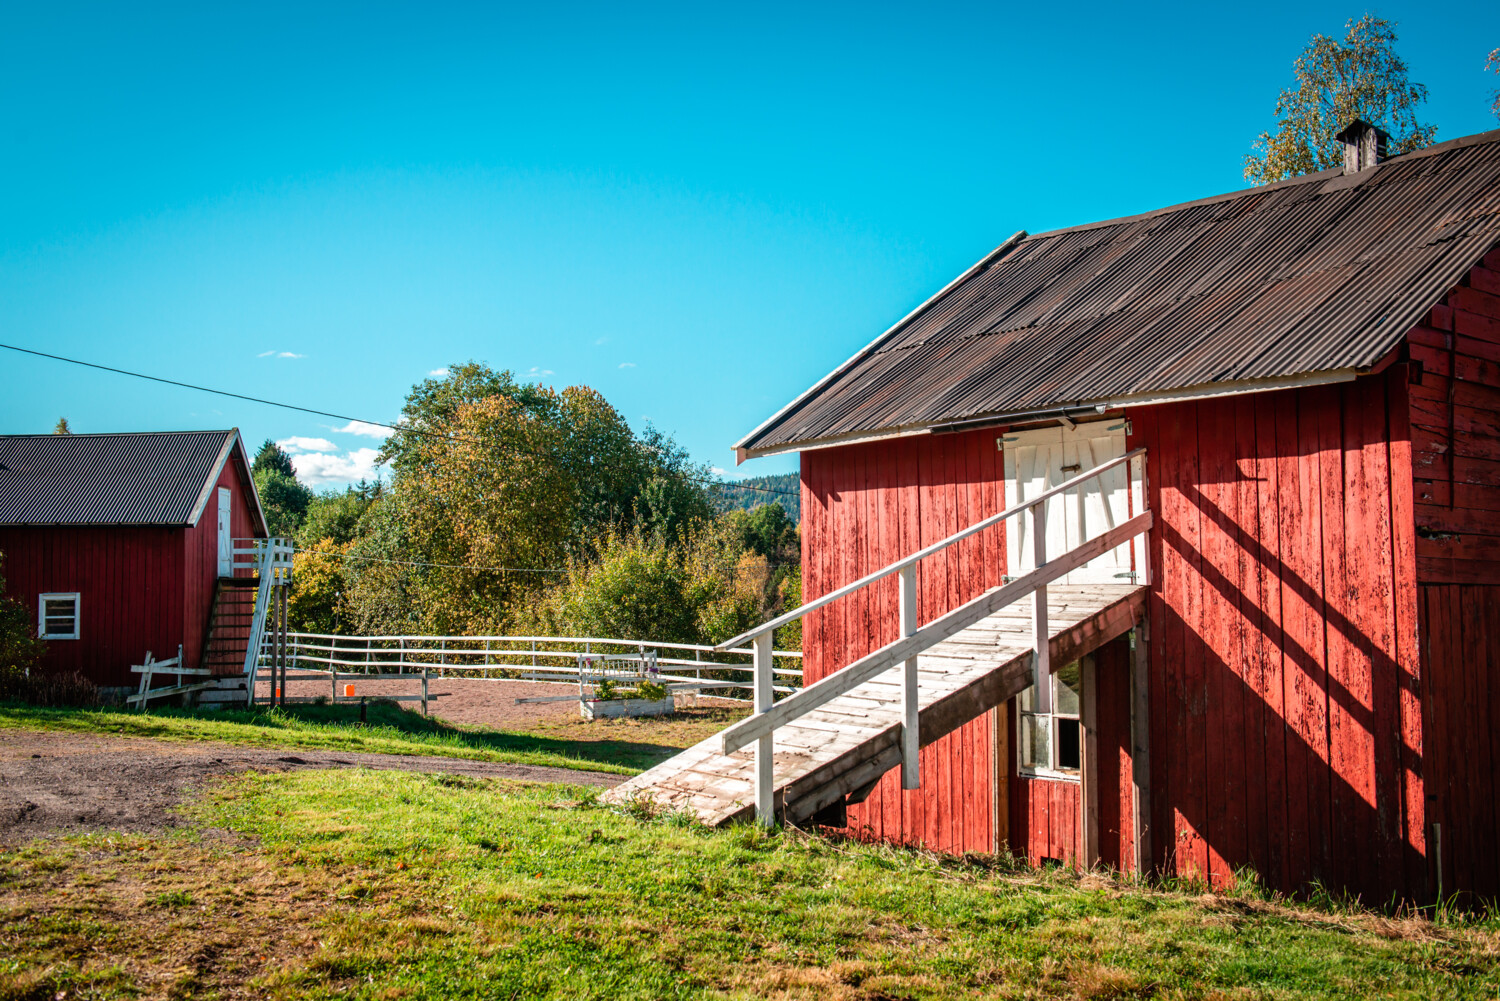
[344,417]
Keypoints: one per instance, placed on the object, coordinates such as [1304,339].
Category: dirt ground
[464,702]
[61,783]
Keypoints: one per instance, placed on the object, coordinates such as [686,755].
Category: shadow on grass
[385,722]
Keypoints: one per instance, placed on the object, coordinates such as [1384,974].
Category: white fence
[530,658]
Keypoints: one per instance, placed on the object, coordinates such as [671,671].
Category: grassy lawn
[620,746]
[394,885]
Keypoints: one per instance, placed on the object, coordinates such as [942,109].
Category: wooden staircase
[229,621]
[828,744]
[835,754]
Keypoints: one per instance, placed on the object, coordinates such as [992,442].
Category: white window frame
[1051,770]
[41,614]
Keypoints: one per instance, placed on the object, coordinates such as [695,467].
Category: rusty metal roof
[151,478]
[1320,274]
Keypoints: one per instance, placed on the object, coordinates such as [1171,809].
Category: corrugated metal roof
[152,478]
[1323,273]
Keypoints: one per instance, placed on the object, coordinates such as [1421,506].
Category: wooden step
[842,748]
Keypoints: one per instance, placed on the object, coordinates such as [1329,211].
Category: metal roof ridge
[1477,139]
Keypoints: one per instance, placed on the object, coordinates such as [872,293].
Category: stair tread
[857,727]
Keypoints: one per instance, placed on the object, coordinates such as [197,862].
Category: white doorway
[226,540]
[1038,460]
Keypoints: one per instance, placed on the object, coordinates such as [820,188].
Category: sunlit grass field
[619,746]
[366,884]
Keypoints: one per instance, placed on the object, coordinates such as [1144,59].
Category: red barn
[120,543]
[1277,650]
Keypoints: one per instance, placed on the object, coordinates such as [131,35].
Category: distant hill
[748,493]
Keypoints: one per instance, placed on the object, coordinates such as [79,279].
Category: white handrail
[761,727]
[921,554]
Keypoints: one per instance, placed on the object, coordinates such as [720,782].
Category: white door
[226,543]
[1038,460]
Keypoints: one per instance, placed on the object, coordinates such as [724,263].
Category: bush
[55,691]
[19,647]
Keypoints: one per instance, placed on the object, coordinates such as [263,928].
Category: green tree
[336,514]
[1337,82]
[20,649]
[316,602]
[702,588]
[496,482]
[283,498]
[62,427]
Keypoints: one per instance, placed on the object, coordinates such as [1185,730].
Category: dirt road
[61,783]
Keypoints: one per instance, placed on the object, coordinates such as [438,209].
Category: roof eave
[1203,391]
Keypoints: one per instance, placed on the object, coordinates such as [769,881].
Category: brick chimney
[1364,145]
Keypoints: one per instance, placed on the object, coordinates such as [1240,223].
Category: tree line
[517,508]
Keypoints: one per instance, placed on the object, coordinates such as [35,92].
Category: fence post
[424,691]
[1041,637]
[765,786]
[911,708]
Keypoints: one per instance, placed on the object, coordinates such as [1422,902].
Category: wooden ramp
[836,753]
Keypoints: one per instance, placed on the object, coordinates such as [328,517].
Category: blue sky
[698,210]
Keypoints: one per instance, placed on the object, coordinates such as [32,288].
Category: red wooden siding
[1045,818]
[129,582]
[201,546]
[1282,674]
[1455,442]
[864,506]
[1455,433]
[1112,747]
[1461,692]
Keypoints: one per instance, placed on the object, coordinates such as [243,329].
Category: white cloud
[438,373]
[627,364]
[279,354]
[265,354]
[717,471]
[537,370]
[320,469]
[362,429]
[297,444]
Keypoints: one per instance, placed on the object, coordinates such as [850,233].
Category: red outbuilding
[1308,684]
[123,544]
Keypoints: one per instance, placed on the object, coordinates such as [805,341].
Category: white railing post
[911,710]
[765,786]
[1138,503]
[1041,636]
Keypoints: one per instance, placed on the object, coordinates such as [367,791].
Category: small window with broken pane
[58,616]
[1051,744]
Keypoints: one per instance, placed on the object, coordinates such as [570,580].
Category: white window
[57,616]
[1050,745]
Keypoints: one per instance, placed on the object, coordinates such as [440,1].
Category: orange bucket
[348,691]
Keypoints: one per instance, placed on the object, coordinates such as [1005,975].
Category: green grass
[395,885]
[389,730]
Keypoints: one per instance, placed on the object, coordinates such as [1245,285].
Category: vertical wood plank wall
[864,506]
[1455,433]
[130,586]
[1283,664]
[201,546]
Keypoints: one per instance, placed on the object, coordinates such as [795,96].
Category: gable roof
[1318,276]
[150,478]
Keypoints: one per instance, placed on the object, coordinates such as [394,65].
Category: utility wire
[344,417]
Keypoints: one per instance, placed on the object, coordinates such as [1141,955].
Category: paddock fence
[684,667]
